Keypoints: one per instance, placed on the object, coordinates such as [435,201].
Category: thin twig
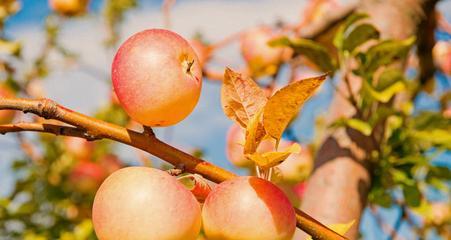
[398,223]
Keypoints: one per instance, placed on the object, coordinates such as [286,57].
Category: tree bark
[338,188]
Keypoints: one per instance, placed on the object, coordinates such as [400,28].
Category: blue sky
[84,91]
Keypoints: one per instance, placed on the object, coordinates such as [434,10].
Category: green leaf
[440,172]
[354,123]
[412,195]
[359,35]
[431,120]
[388,77]
[386,94]
[385,53]
[435,136]
[339,36]
[314,51]
[401,177]
[380,196]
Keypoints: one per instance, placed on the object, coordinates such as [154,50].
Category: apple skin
[69,7]
[248,208]
[255,49]
[441,54]
[235,150]
[447,113]
[80,148]
[86,177]
[6,116]
[137,203]
[157,77]
[298,166]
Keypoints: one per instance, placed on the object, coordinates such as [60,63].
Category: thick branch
[92,128]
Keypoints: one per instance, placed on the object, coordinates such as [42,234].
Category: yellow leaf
[241,97]
[272,159]
[340,228]
[286,103]
[255,132]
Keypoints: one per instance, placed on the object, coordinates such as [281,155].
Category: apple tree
[374,149]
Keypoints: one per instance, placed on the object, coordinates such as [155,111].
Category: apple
[6,116]
[259,56]
[447,113]
[80,148]
[441,54]
[86,177]
[69,7]
[145,203]
[198,186]
[235,150]
[157,77]
[248,208]
[297,167]
[299,189]
[110,163]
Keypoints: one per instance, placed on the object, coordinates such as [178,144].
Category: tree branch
[93,129]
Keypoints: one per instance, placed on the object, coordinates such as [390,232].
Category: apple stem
[148,131]
[257,170]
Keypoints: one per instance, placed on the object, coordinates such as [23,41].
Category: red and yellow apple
[235,150]
[248,208]
[80,148]
[297,167]
[6,116]
[69,7]
[86,177]
[442,56]
[157,77]
[145,203]
[261,58]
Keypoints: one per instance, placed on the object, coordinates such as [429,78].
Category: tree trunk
[339,186]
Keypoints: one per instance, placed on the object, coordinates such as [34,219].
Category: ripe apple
[86,177]
[157,77]
[258,54]
[442,56]
[80,148]
[299,189]
[447,113]
[248,208]
[198,186]
[6,116]
[235,149]
[145,203]
[297,166]
[110,163]
[69,7]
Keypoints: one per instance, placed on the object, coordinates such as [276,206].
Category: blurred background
[47,183]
